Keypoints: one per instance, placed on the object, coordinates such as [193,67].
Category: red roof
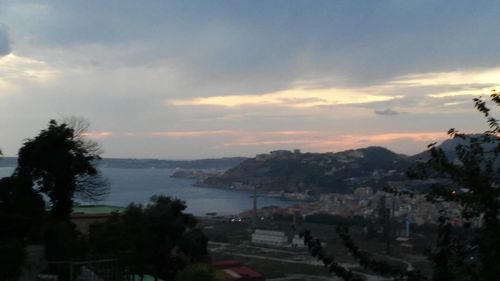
[226,264]
[247,273]
[235,271]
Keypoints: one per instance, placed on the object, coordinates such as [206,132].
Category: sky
[205,79]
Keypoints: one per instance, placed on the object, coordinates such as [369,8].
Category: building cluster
[369,204]
[366,203]
[284,154]
[406,207]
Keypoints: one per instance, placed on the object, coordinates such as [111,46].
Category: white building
[270,237]
[298,242]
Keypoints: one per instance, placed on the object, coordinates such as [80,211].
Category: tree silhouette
[21,214]
[197,272]
[61,163]
[158,239]
[469,177]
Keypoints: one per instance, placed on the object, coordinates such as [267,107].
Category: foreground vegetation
[470,179]
[158,239]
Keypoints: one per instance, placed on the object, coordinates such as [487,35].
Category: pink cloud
[97,135]
[329,141]
[360,140]
[308,140]
[193,134]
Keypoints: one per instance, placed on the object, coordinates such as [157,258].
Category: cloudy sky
[197,79]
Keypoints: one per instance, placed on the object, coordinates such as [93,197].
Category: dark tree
[158,239]
[61,163]
[469,177]
[197,272]
[21,215]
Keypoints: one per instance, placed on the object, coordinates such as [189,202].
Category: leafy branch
[364,259]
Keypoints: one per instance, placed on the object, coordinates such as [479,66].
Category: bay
[129,185]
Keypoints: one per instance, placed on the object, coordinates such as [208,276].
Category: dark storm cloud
[280,42]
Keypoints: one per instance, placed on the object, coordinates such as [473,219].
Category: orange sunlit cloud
[310,137]
[200,134]
[489,76]
[193,134]
[97,135]
[377,139]
[414,136]
[205,133]
[474,92]
[329,141]
[261,143]
[466,83]
[16,70]
[462,83]
[286,133]
[308,140]
[295,98]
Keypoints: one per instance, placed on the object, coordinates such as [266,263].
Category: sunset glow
[295,98]
[241,78]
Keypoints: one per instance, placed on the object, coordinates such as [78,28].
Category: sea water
[137,185]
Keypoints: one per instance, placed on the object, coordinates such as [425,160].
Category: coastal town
[369,183]
[365,203]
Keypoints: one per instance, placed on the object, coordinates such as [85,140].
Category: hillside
[320,172]
[449,146]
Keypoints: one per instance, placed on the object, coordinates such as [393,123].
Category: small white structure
[47,277]
[270,237]
[88,275]
[298,242]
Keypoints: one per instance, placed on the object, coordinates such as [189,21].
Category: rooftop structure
[96,209]
[298,242]
[270,237]
[234,270]
[85,215]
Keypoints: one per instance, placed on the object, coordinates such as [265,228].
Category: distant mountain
[293,171]
[449,146]
[319,172]
[8,161]
[221,163]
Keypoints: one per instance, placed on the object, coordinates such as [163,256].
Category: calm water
[138,185]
